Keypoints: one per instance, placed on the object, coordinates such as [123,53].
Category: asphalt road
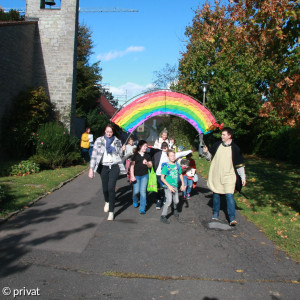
[64,248]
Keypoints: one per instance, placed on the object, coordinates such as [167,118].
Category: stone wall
[18,52]
[41,52]
[58,38]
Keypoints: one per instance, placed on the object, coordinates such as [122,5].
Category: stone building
[41,52]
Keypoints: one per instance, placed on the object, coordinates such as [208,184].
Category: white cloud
[114,53]
[129,90]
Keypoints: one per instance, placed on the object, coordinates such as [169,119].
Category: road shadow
[17,244]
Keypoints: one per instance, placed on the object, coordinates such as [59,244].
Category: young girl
[107,153]
[162,138]
[140,163]
[188,176]
[128,154]
[172,144]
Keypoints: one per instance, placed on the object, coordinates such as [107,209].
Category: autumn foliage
[248,52]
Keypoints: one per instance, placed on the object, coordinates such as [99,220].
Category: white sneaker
[110,216]
[106,207]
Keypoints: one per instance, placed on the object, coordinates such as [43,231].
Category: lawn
[273,191]
[18,191]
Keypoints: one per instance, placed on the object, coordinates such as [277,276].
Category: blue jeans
[230,206]
[91,151]
[188,183]
[140,187]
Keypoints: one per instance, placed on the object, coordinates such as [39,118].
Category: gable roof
[106,106]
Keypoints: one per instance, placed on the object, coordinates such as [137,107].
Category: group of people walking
[174,168]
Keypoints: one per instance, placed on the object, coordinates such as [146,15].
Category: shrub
[5,167]
[97,121]
[283,144]
[55,147]
[24,167]
[183,132]
[2,194]
[30,109]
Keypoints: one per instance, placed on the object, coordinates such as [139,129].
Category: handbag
[152,181]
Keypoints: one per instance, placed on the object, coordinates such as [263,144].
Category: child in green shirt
[169,176]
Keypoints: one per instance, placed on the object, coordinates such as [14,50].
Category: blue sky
[133,45]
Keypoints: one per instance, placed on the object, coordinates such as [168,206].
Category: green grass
[273,191]
[18,191]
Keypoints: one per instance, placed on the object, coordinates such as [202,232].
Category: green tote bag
[152,182]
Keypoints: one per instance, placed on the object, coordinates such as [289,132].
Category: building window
[50,4]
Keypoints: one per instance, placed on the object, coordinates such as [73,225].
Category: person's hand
[205,149]
[124,147]
[132,179]
[244,182]
[182,188]
[171,188]
[145,161]
[91,174]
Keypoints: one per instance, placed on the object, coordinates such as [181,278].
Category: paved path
[64,246]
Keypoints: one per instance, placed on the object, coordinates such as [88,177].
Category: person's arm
[132,177]
[126,156]
[93,161]
[91,173]
[149,164]
[119,147]
[168,185]
[242,174]
[182,188]
[127,151]
[152,151]
[206,153]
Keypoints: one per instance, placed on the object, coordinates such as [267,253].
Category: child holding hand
[170,172]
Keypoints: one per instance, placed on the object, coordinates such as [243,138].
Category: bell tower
[57,35]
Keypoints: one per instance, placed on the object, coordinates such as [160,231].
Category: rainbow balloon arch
[165,102]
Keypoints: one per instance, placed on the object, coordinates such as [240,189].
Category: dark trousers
[160,189]
[85,154]
[109,178]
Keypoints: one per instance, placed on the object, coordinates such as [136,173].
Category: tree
[89,77]
[109,97]
[244,50]
[272,30]
[12,15]
[166,77]
[30,109]
[215,55]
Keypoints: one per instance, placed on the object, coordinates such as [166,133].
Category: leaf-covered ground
[273,191]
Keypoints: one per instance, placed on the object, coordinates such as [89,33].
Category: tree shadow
[123,198]
[272,184]
[223,205]
[16,244]
[36,216]
[200,190]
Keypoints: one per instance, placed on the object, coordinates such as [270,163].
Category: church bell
[50,2]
